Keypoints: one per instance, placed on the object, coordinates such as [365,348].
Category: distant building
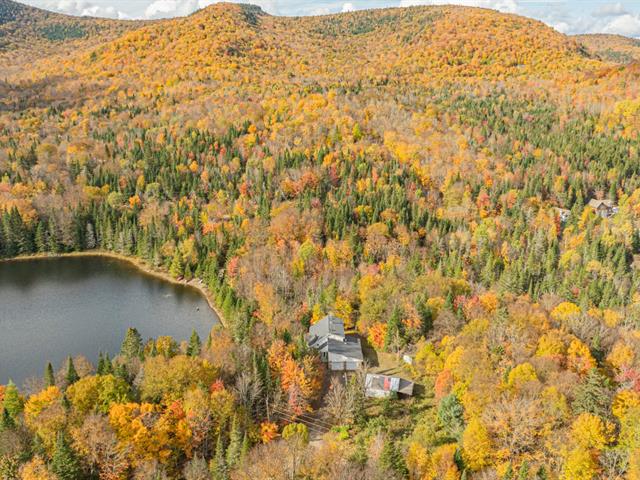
[563,214]
[604,208]
[339,351]
[382,386]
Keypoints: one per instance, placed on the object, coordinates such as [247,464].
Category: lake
[55,307]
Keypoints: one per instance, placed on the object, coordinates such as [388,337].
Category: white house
[339,351]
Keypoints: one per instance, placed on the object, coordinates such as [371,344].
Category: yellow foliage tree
[564,311]
[36,469]
[45,415]
[521,375]
[591,432]
[579,465]
[476,445]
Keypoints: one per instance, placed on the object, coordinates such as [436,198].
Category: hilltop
[28,33]
[238,51]
[400,43]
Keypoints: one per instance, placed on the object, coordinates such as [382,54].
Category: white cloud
[82,8]
[348,7]
[628,25]
[170,8]
[320,11]
[610,10]
[562,27]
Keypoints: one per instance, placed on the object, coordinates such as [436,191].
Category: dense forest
[458,185]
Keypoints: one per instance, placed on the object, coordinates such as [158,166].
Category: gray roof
[327,335]
[595,203]
[329,325]
[381,385]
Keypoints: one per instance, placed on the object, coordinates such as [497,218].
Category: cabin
[603,208]
[339,351]
[383,386]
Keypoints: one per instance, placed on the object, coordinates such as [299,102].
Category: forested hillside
[615,48]
[28,33]
[432,175]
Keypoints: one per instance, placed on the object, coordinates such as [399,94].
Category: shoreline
[141,265]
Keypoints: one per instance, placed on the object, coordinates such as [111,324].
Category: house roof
[595,203]
[386,383]
[328,326]
[327,335]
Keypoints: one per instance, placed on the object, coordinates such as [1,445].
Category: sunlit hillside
[28,33]
[614,48]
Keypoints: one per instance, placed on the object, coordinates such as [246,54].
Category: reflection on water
[52,308]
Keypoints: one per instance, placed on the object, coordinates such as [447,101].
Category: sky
[567,16]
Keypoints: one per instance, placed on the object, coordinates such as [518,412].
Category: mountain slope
[445,41]
[613,48]
[28,33]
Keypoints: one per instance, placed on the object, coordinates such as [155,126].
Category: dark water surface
[53,308]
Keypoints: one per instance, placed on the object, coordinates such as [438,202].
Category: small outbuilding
[382,386]
[340,351]
[563,214]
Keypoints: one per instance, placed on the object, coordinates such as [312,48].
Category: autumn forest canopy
[460,186]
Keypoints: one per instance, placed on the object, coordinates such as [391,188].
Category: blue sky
[567,16]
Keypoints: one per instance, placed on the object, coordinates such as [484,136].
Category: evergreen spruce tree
[246,446]
[219,470]
[451,415]
[594,395]
[187,273]
[6,421]
[176,269]
[12,401]
[72,375]
[132,344]
[394,336]
[193,350]
[391,458]
[49,376]
[52,237]
[541,474]
[41,238]
[234,450]
[65,463]
[107,367]
[100,367]
[90,237]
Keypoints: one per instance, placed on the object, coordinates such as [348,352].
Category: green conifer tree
[234,450]
[132,344]
[12,401]
[193,350]
[72,375]
[176,269]
[218,467]
[6,421]
[594,395]
[65,463]
[49,376]
[391,459]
